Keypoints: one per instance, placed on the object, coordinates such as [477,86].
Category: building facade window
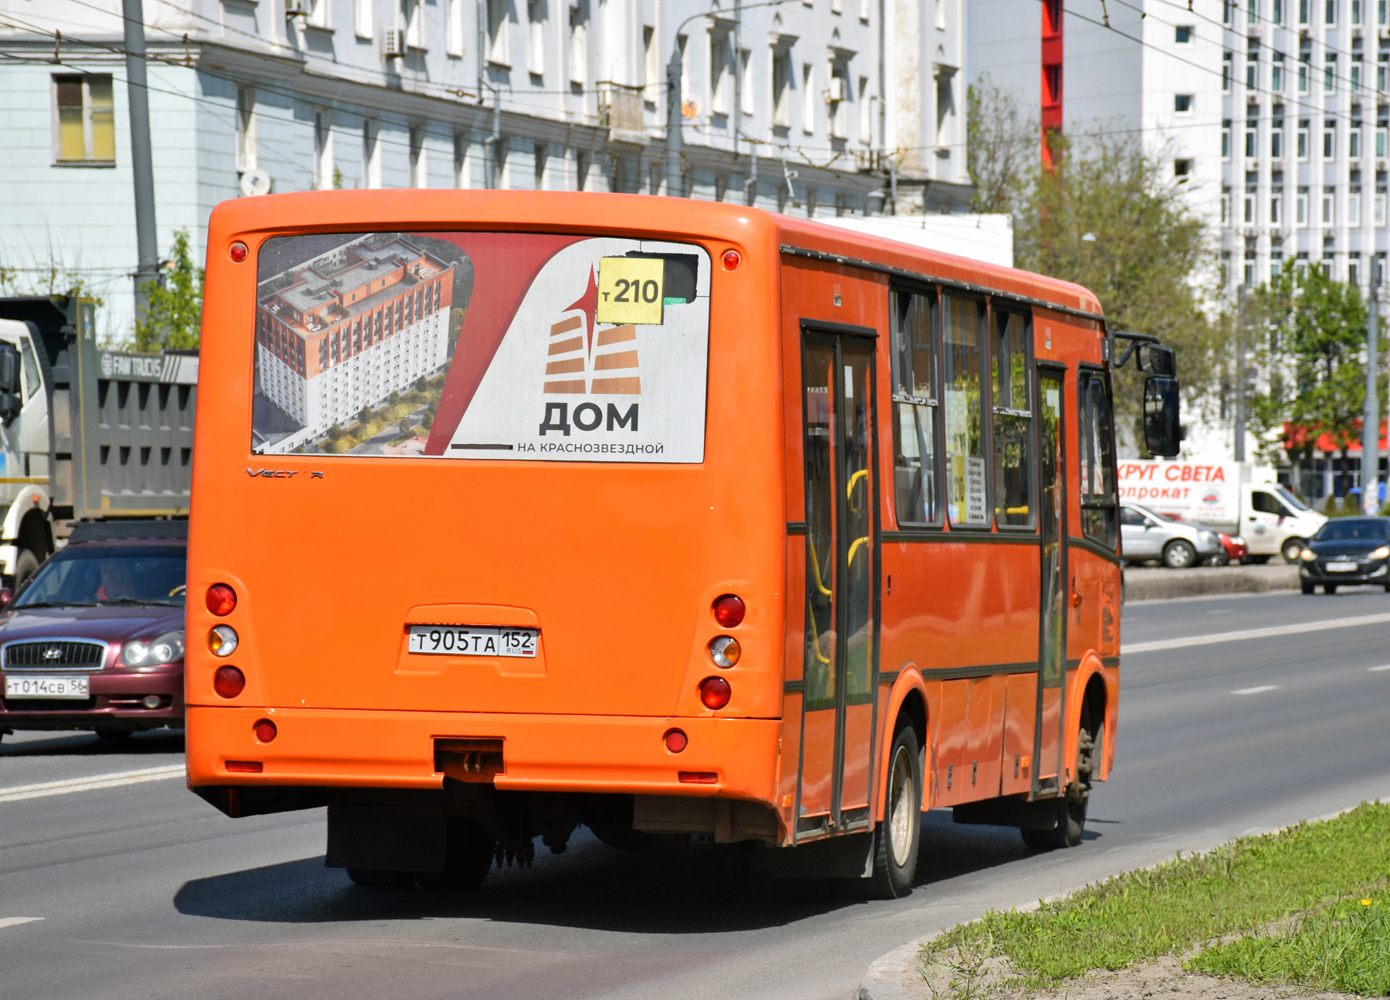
[1276,206]
[363,18]
[1356,73]
[1226,139]
[1252,71]
[808,98]
[1247,214]
[1301,140]
[1276,141]
[781,87]
[1329,13]
[1329,73]
[1329,205]
[1182,34]
[1354,206]
[323,150]
[1182,103]
[1276,264]
[1329,139]
[1382,139]
[1226,62]
[1276,73]
[1303,73]
[1278,16]
[1354,141]
[1225,205]
[1303,11]
[1300,211]
[1251,140]
[1379,210]
[84,119]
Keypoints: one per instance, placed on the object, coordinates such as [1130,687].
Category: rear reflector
[264,730]
[699,777]
[245,766]
[675,740]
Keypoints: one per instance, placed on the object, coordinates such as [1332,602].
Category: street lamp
[673,95]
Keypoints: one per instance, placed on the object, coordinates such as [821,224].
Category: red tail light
[728,610]
[264,730]
[731,259]
[221,599]
[698,777]
[237,251]
[675,740]
[245,766]
[228,681]
[714,692]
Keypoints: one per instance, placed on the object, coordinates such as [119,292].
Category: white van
[1275,522]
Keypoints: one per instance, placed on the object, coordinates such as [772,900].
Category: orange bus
[519,511]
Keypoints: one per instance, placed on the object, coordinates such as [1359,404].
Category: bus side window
[1013,419]
[1097,458]
[963,335]
[914,409]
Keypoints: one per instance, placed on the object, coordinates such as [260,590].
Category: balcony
[620,111]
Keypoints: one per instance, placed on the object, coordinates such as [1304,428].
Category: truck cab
[1275,522]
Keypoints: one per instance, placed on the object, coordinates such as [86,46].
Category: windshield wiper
[55,604]
[139,600]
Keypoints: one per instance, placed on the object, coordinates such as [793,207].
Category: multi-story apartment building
[341,331]
[816,107]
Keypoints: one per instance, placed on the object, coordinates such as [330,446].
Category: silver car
[1145,535]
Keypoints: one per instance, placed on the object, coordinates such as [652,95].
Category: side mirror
[11,400]
[1161,415]
[6,596]
[1157,360]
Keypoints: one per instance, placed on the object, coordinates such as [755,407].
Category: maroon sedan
[94,640]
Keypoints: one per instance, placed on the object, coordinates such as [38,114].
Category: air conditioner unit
[1385,32]
[1276,166]
[393,43]
[1380,164]
[836,90]
[1255,31]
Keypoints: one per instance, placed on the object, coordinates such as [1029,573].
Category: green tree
[1110,216]
[1309,345]
[174,315]
[364,415]
[335,432]
[394,399]
[1002,146]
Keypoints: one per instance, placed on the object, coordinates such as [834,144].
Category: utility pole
[138,100]
[673,120]
[1370,424]
[1240,375]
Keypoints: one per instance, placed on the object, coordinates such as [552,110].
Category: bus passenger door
[841,580]
[1052,603]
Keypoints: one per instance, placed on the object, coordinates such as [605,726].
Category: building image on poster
[499,346]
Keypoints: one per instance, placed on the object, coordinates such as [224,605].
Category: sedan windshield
[1358,529]
[108,574]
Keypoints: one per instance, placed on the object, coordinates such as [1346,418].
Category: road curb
[1166,584]
[887,977]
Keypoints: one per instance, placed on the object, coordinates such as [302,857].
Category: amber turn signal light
[222,640]
[714,692]
[725,651]
[228,682]
[221,600]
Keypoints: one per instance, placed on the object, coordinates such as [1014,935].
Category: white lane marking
[1378,670]
[16,921]
[15,793]
[1254,633]
[1257,690]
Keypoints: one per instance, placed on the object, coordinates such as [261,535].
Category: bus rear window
[512,346]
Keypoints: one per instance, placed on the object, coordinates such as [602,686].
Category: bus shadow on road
[670,888]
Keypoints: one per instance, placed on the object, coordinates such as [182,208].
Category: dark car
[1347,550]
[94,639]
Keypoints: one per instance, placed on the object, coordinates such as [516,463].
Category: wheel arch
[907,696]
[1096,687]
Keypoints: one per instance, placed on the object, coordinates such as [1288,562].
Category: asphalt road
[141,890]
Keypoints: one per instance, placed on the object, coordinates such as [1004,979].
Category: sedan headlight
[1238,539]
[1307,555]
[1381,553]
[168,648]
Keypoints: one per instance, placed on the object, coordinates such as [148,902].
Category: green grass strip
[1240,888]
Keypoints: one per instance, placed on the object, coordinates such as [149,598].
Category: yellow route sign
[629,290]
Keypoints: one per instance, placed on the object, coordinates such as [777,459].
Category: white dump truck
[86,433]
[1221,494]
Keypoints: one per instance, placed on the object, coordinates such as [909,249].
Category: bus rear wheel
[468,858]
[898,838]
[1071,806]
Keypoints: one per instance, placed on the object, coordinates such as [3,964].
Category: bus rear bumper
[343,748]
